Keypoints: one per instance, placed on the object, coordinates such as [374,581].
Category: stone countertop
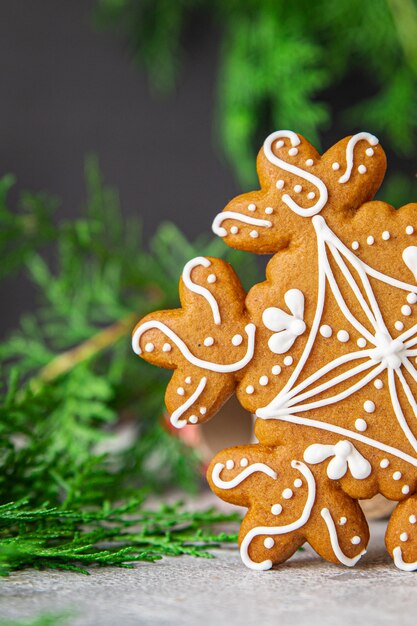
[188,591]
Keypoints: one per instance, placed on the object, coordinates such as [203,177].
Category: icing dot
[355,540]
[208,341]
[405,489]
[406,310]
[370,240]
[269,543]
[326,331]
[250,389]
[309,162]
[269,210]
[361,342]
[276,369]
[362,169]
[355,245]
[276,509]
[409,230]
[342,521]
[298,188]
[188,380]
[288,360]
[369,151]
[403,537]
[298,483]
[244,462]
[378,384]
[336,166]
[203,410]
[293,151]
[412,519]
[386,235]
[287,493]
[397,475]
[234,230]
[343,336]
[237,340]
[412,298]
[399,325]
[230,464]
[279,144]
[279,184]
[264,380]
[361,425]
[369,406]
[384,463]
[251,207]
[311,195]
[166,347]
[180,391]
[254,234]
[211,278]
[149,347]
[193,419]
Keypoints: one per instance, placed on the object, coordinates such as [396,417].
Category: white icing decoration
[239,478]
[276,369]
[244,462]
[279,144]
[369,406]
[361,342]
[281,530]
[211,278]
[362,169]
[269,543]
[230,464]
[342,521]
[361,425]
[250,330]
[340,555]
[149,347]
[276,509]
[250,389]
[175,417]
[288,360]
[298,483]
[286,327]
[399,325]
[201,291]
[254,234]
[193,419]
[405,490]
[203,410]
[287,494]
[208,341]
[409,230]
[264,380]
[234,230]
[371,139]
[397,475]
[309,162]
[293,151]
[384,463]
[292,169]
[311,195]
[269,210]
[411,298]
[370,240]
[355,540]
[252,207]
[166,347]
[343,336]
[410,259]
[188,380]
[326,331]
[237,340]
[355,245]
[387,354]
[378,384]
[403,537]
[345,456]
[279,184]
[239,217]
[412,519]
[298,188]
[180,391]
[369,152]
[386,235]
[400,563]
[336,166]
[406,310]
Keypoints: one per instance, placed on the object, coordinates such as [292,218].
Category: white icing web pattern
[385,354]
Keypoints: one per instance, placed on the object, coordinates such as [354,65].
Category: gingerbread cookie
[323,353]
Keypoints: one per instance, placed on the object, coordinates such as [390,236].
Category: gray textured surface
[222,591]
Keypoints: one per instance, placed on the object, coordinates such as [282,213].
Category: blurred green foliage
[280,60]
[80,417]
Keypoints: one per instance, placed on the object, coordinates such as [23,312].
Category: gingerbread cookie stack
[323,352]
